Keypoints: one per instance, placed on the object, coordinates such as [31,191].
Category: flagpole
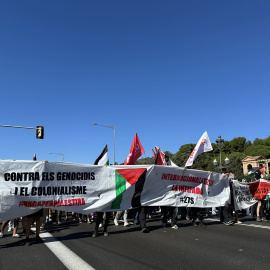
[114,146]
[114,138]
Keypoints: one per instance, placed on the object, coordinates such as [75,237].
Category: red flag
[136,151]
[159,159]
[162,159]
[154,155]
[262,170]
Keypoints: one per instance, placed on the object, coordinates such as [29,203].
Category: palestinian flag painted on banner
[103,159]
[128,182]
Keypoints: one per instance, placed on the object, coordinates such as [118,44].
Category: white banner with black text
[27,186]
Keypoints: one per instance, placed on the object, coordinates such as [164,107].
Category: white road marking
[253,225]
[71,260]
[244,224]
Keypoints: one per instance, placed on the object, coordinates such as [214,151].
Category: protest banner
[247,194]
[27,186]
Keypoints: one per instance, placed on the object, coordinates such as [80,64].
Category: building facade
[250,163]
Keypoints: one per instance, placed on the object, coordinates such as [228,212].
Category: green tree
[258,142]
[226,147]
[258,150]
[204,162]
[215,148]
[168,153]
[236,150]
[235,165]
[267,141]
[247,144]
[238,144]
[183,154]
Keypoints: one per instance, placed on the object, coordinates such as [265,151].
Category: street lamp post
[114,138]
[59,154]
[220,142]
[227,162]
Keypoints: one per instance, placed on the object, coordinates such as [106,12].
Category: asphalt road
[243,246]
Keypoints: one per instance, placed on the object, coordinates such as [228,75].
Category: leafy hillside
[236,150]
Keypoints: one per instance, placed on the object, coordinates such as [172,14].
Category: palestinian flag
[103,159]
[259,171]
[128,184]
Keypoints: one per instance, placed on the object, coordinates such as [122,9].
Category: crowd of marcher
[168,215]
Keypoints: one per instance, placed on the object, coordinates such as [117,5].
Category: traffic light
[40,132]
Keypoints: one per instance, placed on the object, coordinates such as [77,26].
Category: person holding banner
[99,221]
[135,152]
[172,212]
[260,211]
[16,225]
[29,220]
[142,218]
[197,216]
[230,204]
[118,215]
[261,201]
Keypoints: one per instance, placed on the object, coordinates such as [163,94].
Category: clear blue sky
[167,70]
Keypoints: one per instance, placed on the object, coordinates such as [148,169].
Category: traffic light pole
[39,129]
[18,127]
